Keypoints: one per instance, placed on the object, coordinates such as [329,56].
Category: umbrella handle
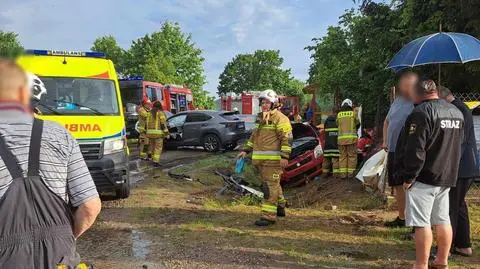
[439,74]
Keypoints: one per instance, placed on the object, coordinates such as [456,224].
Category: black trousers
[459,213]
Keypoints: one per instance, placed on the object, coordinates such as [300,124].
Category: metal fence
[474,193]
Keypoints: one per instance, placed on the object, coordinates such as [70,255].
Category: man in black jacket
[432,154]
[467,171]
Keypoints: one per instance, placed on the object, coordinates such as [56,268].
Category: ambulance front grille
[91,150]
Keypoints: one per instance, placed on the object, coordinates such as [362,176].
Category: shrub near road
[171,223]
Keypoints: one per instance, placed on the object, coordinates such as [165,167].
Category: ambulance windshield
[78,96]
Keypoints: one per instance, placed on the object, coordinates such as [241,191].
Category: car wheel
[211,143]
[123,191]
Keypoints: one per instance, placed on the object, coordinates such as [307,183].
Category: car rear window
[229,116]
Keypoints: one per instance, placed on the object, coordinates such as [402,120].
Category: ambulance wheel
[124,190]
[211,143]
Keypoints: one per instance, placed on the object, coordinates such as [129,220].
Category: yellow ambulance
[83,95]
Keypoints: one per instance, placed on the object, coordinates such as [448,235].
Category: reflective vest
[271,140]
[347,129]
[142,119]
[331,135]
[157,125]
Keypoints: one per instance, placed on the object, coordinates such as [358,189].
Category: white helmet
[270,95]
[36,87]
[347,102]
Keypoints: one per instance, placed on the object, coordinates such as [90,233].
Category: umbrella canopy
[437,48]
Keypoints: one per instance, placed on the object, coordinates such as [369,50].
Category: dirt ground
[177,223]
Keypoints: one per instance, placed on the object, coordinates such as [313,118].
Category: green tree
[258,71]
[10,46]
[108,45]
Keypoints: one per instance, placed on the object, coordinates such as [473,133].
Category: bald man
[42,178]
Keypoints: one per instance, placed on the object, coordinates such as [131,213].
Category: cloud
[221,28]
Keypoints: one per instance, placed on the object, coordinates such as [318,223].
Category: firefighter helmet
[270,95]
[347,102]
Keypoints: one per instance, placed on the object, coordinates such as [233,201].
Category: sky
[221,28]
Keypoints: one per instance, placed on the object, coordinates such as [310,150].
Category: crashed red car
[306,158]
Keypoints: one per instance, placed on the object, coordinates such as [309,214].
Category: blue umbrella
[437,48]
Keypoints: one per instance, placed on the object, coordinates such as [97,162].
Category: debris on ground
[236,184]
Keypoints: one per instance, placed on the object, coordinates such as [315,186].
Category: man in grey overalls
[42,176]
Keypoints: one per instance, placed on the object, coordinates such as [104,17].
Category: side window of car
[176,121]
[198,117]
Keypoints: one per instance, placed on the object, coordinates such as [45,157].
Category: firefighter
[270,144]
[143,113]
[331,152]
[347,122]
[156,130]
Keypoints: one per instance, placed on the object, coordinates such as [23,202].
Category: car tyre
[124,191]
[211,143]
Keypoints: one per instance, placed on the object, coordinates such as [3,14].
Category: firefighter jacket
[271,140]
[433,145]
[331,135]
[142,118]
[157,125]
[347,122]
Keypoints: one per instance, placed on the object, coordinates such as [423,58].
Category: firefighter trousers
[272,191]
[155,147]
[347,160]
[143,146]
[330,165]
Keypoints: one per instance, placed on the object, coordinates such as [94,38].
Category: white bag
[373,166]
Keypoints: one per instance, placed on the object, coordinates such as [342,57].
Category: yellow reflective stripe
[266,157]
[331,154]
[269,208]
[286,148]
[331,130]
[282,200]
[343,170]
[156,132]
[346,136]
[266,127]
[249,143]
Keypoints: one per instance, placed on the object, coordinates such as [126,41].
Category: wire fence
[471,99]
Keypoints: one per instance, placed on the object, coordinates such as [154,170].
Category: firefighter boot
[281,211]
[264,222]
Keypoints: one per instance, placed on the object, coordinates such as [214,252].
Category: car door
[194,127]
[175,126]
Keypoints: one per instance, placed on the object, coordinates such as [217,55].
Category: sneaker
[395,223]
[281,211]
[264,222]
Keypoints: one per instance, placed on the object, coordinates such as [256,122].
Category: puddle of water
[140,247]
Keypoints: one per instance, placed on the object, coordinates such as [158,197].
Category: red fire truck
[247,103]
[174,98]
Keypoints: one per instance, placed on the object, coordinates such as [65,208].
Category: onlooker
[467,170]
[432,156]
[401,107]
[42,174]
